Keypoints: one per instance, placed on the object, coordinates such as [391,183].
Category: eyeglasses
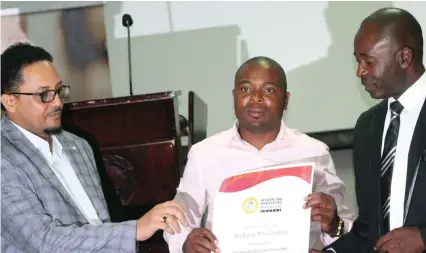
[48,95]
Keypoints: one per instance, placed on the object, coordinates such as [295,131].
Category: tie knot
[396,107]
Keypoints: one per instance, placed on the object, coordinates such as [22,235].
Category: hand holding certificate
[262,210]
[201,240]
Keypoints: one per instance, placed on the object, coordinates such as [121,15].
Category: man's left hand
[401,240]
[324,210]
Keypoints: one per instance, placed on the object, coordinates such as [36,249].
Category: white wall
[199,45]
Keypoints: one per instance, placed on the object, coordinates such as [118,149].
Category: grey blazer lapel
[18,139]
[83,168]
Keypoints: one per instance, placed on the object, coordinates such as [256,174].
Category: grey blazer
[38,215]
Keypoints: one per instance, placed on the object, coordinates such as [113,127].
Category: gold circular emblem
[250,205]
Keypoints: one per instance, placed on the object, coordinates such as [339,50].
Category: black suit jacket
[368,228]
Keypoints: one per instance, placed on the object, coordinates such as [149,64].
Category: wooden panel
[125,122]
[142,174]
[137,152]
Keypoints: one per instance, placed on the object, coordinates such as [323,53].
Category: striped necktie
[387,161]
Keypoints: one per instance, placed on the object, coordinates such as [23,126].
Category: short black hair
[271,62]
[402,26]
[14,59]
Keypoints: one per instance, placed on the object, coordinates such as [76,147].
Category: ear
[233,93]
[405,57]
[9,102]
[287,98]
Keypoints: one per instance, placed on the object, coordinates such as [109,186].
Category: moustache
[56,110]
[255,109]
[366,82]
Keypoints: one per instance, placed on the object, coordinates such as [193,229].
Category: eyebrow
[47,87]
[244,81]
[363,54]
[271,83]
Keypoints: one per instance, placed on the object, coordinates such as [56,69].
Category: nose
[361,71]
[256,98]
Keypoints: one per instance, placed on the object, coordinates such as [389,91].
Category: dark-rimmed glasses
[48,95]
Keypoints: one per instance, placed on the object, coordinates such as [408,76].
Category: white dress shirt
[61,166]
[412,100]
[224,154]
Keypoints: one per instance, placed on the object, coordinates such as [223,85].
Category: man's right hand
[163,216]
[200,240]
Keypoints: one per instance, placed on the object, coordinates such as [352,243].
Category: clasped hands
[399,240]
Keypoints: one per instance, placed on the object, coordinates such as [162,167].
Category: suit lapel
[376,152]
[18,139]
[80,163]
[377,138]
[418,145]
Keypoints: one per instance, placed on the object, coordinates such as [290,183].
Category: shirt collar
[39,142]
[413,95]
[235,135]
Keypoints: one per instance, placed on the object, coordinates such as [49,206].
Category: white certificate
[262,210]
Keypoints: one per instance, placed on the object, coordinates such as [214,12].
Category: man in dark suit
[390,138]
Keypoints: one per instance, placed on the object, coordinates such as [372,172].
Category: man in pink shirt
[258,138]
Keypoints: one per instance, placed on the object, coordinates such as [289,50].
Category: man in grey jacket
[51,195]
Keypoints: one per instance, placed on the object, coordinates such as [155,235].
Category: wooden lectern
[136,141]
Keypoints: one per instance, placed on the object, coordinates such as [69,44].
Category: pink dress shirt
[224,154]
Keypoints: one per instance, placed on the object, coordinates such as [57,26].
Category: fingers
[172,222]
[322,210]
[174,212]
[172,203]
[165,227]
[313,195]
[318,218]
[319,199]
[383,240]
[205,233]
[388,246]
[204,245]
[324,220]
[171,208]
[311,203]
[201,240]
[324,216]
[313,199]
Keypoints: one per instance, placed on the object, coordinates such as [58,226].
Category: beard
[53,130]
